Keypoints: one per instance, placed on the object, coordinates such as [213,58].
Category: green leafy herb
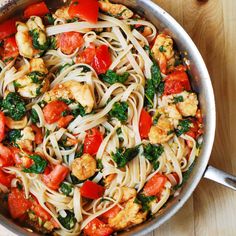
[65,113]
[72,20]
[34,116]
[66,188]
[156,75]
[123,156]
[152,153]
[8,59]
[66,101]
[178,99]
[161,87]
[85,68]
[13,135]
[144,201]
[38,89]
[119,131]
[52,42]
[35,77]
[39,165]
[112,77]
[35,40]
[14,106]
[75,180]
[162,48]
[183,127]
[78,111]
[19,185]
[16,85]
[121,13]
[68,221]
[49,19]
[63,67]
[149,92]
[120,111]
[99,164]
[140,28]
[80,151]
[156,118]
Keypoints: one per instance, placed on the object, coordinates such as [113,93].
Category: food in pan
[99,125]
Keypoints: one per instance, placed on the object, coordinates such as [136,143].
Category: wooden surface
[212,26]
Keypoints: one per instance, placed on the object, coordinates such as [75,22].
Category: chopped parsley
[39,165]
[67,221]
[120,111]
[183,127]
[49,19]
[112,77]
[144,201]
[13,135]
[178,99]
[162,48]
[66,188]
[78,111]
[35,40]
[36,77]
[34,116]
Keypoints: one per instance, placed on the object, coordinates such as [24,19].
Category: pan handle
[220,177]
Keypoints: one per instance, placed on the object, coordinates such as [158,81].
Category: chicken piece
[128,193]
[117,10]
[62,13]
[130,215]
[16,124]
[161,132]
[163,51]
[172,112]
[109,179]
[27,138]
[72,90]
[31,37]
[84,167]
[147,31]
[190,104]
[34,83]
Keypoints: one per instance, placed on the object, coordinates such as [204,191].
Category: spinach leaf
[183,127]
[75,180]
[66,101]
[39,165]
[35,77]
[63,67]
[13,135]
[156,75]
[152,153]
[178,99]
[35,40]
[52,42]
[123,156]
[78,111]
[149,92]
[99,164]
[144,201]
[34,116]
[67,221]
[120,111]
[112,77]
[14,106]
[49,19]
[85,68]
[80,151]
[66,188]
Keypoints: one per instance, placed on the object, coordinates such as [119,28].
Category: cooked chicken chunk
[62,13]
[161,132]
[172,112]
[117,10]
[72,90]
[31,37]
[190,104]
[27,138]
[84,167]
[130,215]
[127,193]
[34,83]
[16,124]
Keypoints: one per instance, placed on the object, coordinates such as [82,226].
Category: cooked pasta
[99,125]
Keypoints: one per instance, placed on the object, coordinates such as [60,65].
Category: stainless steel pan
[201,83]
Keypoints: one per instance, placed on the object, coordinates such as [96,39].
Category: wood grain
[212,26]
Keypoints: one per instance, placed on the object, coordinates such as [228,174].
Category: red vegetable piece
[91,190]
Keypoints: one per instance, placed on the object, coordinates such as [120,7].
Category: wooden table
[212,26]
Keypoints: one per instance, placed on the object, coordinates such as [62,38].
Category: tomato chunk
[92,141]
[10,49]
[55,177]
[68,42]
[87,55]
[6,157]
[155,185]
[8,28]
[37,9]
[110,213]
[84,9]
[2,126]
[145,124]
[39,211]
[64,121]
[5,178]
[91,190]
[102,59]
[97,228]
[38,134]
[176,82]
[53,111]
[17,203]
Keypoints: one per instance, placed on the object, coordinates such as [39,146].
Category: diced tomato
[193,128]
[6,157]
[17,203]
[2,126]
[10,49]
[38,134]
[155,185]
[39,211]
[37,9]
[84,9]
[91,190]
[145,123]
[176,82]
[68,42]
[64,121]
[87,55]
[102,60]
[55,177]
[8,28]
[110,213]
[92,141]
[53,111]
[5,178]
[97,228]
